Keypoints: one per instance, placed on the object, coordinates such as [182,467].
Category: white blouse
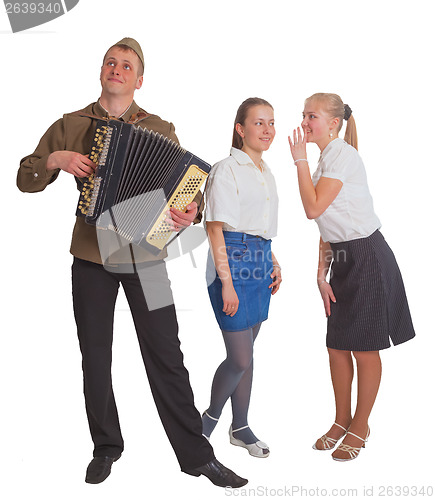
[242,197]
[351,214]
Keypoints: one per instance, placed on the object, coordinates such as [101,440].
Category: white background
[202,60]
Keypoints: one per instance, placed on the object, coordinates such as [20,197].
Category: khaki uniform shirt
[75,133]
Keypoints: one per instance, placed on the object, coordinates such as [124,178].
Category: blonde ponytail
[334,106]
[350,136]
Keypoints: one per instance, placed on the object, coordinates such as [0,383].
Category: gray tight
[233,378]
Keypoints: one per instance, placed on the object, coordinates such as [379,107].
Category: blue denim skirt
[250,261]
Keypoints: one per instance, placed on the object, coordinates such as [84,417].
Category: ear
[239,130]
[334,122]
[139,82]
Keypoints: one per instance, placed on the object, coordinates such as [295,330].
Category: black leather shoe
[99,469]
[219,475]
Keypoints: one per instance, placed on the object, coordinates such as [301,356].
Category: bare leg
[369,369]
[341,366]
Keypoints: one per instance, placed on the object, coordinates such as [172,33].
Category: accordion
[140,174]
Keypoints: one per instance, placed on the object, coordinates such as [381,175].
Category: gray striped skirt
[371,306]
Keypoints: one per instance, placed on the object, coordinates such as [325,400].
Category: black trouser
[94,295]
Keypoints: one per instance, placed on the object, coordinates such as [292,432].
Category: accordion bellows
[140,175]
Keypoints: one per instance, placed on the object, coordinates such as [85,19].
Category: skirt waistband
[357,241]
[236,236]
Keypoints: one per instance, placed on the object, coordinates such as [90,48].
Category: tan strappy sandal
[329,442]
[352,450]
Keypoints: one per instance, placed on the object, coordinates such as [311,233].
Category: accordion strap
[133,120]
[140,115]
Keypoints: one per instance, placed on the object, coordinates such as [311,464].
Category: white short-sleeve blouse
[351,215]
[242,197]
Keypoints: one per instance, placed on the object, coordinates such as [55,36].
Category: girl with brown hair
[243,273]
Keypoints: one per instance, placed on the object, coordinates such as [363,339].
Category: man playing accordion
[95,280]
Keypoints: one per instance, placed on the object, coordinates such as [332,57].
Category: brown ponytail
[241,115]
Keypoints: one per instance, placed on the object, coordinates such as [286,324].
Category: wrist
[227,282]
[50,163]
[300,161]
